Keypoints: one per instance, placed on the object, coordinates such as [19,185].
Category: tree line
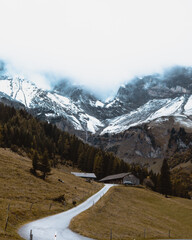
[48,146]
[175,183]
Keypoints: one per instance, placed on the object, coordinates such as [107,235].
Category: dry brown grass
[128,211]
[20,188]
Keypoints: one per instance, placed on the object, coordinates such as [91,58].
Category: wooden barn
[121,178]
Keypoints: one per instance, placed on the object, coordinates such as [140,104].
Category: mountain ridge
[85,112]
[159,101]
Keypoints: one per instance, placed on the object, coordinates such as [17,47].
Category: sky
[100,44]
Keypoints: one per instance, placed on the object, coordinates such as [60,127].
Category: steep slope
[30,197]
[51,106]
[148,143]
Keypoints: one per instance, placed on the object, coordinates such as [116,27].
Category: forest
[48,146]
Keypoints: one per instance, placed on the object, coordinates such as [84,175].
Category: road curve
[46,228]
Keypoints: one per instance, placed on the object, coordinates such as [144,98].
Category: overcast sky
[98,43]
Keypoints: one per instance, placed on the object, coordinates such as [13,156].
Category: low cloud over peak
[98,44]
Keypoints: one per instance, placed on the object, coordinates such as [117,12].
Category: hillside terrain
[135,213]
[48,146]
[149,143]
[30,197]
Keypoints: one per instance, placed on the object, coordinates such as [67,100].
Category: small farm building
[90,176]
[121,178]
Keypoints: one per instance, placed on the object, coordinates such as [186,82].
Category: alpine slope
[57,226]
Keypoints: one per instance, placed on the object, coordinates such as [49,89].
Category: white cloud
[98,43]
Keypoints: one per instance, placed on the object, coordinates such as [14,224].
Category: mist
[99,44]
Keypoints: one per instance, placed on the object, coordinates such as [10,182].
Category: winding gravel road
[46,228]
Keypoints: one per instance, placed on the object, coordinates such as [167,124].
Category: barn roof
[114,177]
[84,175]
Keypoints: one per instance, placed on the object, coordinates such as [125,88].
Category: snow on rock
[93,124]
[50,115]
[20,97]
[29,91]
[110,104]
[5,87]
[99,104]
[170,108]
[90,114]
[59,99]
[90,123]
[76,123]
[184,121]
[19,89]
[133,118]
[153,109]
[188,106]
[96,104]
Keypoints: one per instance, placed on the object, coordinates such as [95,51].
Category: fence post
[50,206]
[31,206]
[7,219]
[144,233]
[111,235]
[31,235]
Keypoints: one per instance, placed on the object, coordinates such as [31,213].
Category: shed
[120,178]
[84,175]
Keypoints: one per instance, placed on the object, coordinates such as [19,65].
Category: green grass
[130,212]
[19,188]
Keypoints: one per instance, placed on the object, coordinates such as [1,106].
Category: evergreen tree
[98,165]
[165,181]
[45,165]
[45,143]
[90,159]
[1,136]
[35,161]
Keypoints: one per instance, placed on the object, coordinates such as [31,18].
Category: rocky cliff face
[147,144]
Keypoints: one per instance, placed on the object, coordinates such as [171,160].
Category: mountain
[52,106]
[136,124]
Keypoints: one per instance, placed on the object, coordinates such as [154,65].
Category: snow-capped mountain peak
[74,109]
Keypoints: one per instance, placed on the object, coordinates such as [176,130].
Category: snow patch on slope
[171,108]
[91,123]
[150,111]
[184,121]
[99,104]
[5,87]
[110,104]
[63,102]
[96,104]
[29,91]
[188,106]
[19,89]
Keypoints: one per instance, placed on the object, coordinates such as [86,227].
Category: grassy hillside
[20,189]
[130,212]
